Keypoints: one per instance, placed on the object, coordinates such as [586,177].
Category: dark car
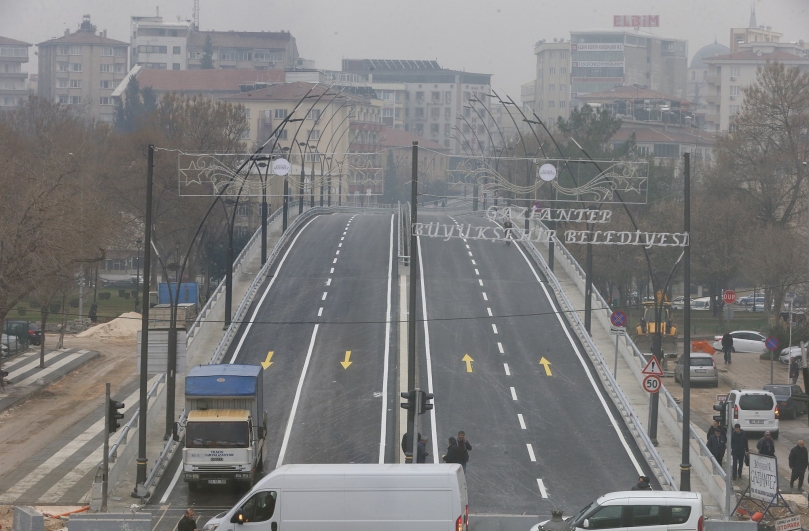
[784,394]
[24,330]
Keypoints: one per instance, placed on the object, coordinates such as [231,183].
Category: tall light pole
[137,278]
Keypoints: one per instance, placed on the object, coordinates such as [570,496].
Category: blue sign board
[189,293]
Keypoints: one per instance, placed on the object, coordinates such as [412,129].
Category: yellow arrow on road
[468,359]
[266,363]
[547,364]
[346,363]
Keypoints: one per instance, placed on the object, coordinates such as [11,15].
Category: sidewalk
[199,352]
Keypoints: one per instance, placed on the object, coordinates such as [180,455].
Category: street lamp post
[137,278]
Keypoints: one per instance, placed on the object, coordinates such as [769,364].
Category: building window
[62,67]
[61,83]
[446,143]
[75,67]
[119,68]
[152,66]
[62,50]
[447,113]
[561,105]
[152,49]
[105,84]
[419,129]
[735,70]
[106,52]
[562,88]
[280,114]
[281,135]
[75,50]
[465,128]
[175,66]
[563,71]
[75,83]
[420,112]
[434,129]
[314,114]
[667,151]
[387,113]
[448,97]
[467,95]
[177,50]
[734,90]
[734,110]
[106,68]
[563,54]
[120,52]
[62,98]
[75,100]
[314,134]
[552,88]
[436,97]
[435,113]
[552,70]
[105,100]
[551,104]
[245,134]
[419,97]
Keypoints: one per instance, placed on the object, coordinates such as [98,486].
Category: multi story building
[259,50]
[82,69]
[551,95]
[158,44]
[752,34]
[13,81]
[601,60]
[442,105]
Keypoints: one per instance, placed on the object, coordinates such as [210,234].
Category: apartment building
[82,69]
[259,50]
[160,45]
[442,105]
[13,81]
[551,94]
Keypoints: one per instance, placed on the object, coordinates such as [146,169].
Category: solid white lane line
[513,393]
[320,312]
[508,372]
[427,353]
[500,346]
[542,490]
[173,482]
[531,453]
[331,271]
[328,282]
[480,281]
[297,399]
[485,298]
[266,291]
[490,311]
[614,423]
[384,424]
[324,295]
[494,328]
[522,421]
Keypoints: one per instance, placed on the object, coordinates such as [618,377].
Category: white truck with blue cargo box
[226,429]
[356,497]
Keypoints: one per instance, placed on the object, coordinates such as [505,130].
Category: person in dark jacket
[766,445]
[717,443]
[727,345]
[464,448]
[407,445]
[643,484]
[738,449]
[794,370]
[798,461]
[421,451]
[453,452]
[187,522]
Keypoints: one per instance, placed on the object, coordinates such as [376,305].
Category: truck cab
[219,441]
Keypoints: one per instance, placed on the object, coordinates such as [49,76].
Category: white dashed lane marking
[320,312]
[328,282]
[542,490]
[494,327]
[480,281]
[522,421]
[334,261]
[485,298]
[331,271]
[513,394]
[500,347]
[531,453]
[473,262]
[508,372]
[477,272]
[490,312]
[324,295]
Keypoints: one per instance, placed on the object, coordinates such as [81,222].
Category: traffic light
[410,405]
[425,406]
[113,416]
[721,407]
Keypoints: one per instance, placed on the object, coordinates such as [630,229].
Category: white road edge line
[173,482]
[385,364]
[542,489]
[522,420]
[266,291]
[531,453]
[638,468]
[297,399]
[513,393]
[436,456]
[508,372]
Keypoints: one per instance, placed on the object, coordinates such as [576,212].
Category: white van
[755,410]
[352,497]
[645,510]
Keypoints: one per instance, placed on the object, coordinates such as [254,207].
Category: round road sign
[537,206]
[547,172]
[651,384]
[729,296]
[281,166]
[618,318]
[771,343]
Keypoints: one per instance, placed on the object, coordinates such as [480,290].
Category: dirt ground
[28,427]
[7,520]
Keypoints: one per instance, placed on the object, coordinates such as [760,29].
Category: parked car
[743,341]
[703,303]
[703,369]
[755,410]
[8,345]
[24,329]
[788,353]
[748,301]
[784,395]
[677,303]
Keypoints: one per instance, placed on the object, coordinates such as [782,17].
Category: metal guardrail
[640,358]
[161,461]
[129,425]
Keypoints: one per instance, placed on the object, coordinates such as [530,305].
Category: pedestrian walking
[714,426]
[794,370]
[453,454]
[727,345]
[421,451]
[3,376]
[464,447]
[187,522]
[766,445]
[93,313]
[643,484]
[739,450]
[798,461]
[717,443]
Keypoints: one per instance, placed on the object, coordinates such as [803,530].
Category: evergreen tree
[389,183]
[207,54]
[129,108]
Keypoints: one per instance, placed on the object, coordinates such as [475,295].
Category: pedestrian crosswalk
[63,471]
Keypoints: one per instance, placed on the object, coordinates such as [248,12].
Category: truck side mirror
[586,524]
[273,526]
[237,518]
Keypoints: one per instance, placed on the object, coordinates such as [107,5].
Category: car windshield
[756,402]
[701,362]
[217,435]
[778,389]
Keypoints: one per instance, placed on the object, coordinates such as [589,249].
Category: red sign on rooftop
[636,21]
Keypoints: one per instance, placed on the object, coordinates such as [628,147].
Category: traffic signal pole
[106,460]
[412,380]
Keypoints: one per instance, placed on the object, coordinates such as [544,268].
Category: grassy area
[108,308]
[704,324]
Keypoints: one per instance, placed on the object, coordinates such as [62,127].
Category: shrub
[21,310]
[105,295]
[122,293]
[126,295]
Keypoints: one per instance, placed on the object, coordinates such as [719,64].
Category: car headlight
[210,527]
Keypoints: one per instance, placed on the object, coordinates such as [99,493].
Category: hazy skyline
[473,35]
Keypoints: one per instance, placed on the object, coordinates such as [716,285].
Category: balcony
[713,79]
[713,99]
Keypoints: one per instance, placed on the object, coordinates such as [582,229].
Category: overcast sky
[487,36]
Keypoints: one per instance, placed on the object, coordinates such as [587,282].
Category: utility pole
[285,213]
[412,381]
[685,467]
[105,467]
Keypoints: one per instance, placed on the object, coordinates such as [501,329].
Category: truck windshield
[217,435]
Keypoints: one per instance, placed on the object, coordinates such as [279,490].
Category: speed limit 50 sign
[651,384]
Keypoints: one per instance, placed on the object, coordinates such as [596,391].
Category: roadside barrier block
[110,522]
[27,519]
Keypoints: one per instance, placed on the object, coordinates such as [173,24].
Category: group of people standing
[457,451]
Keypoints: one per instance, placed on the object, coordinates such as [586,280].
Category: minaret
[753,17]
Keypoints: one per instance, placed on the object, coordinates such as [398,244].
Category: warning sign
[653,367]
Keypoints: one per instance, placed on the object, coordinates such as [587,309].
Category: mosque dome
[708,51]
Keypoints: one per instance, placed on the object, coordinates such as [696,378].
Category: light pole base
[685,476]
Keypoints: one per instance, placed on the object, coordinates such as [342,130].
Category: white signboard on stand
[763,477]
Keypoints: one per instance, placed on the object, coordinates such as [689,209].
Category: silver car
[703,369]
[8,345]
